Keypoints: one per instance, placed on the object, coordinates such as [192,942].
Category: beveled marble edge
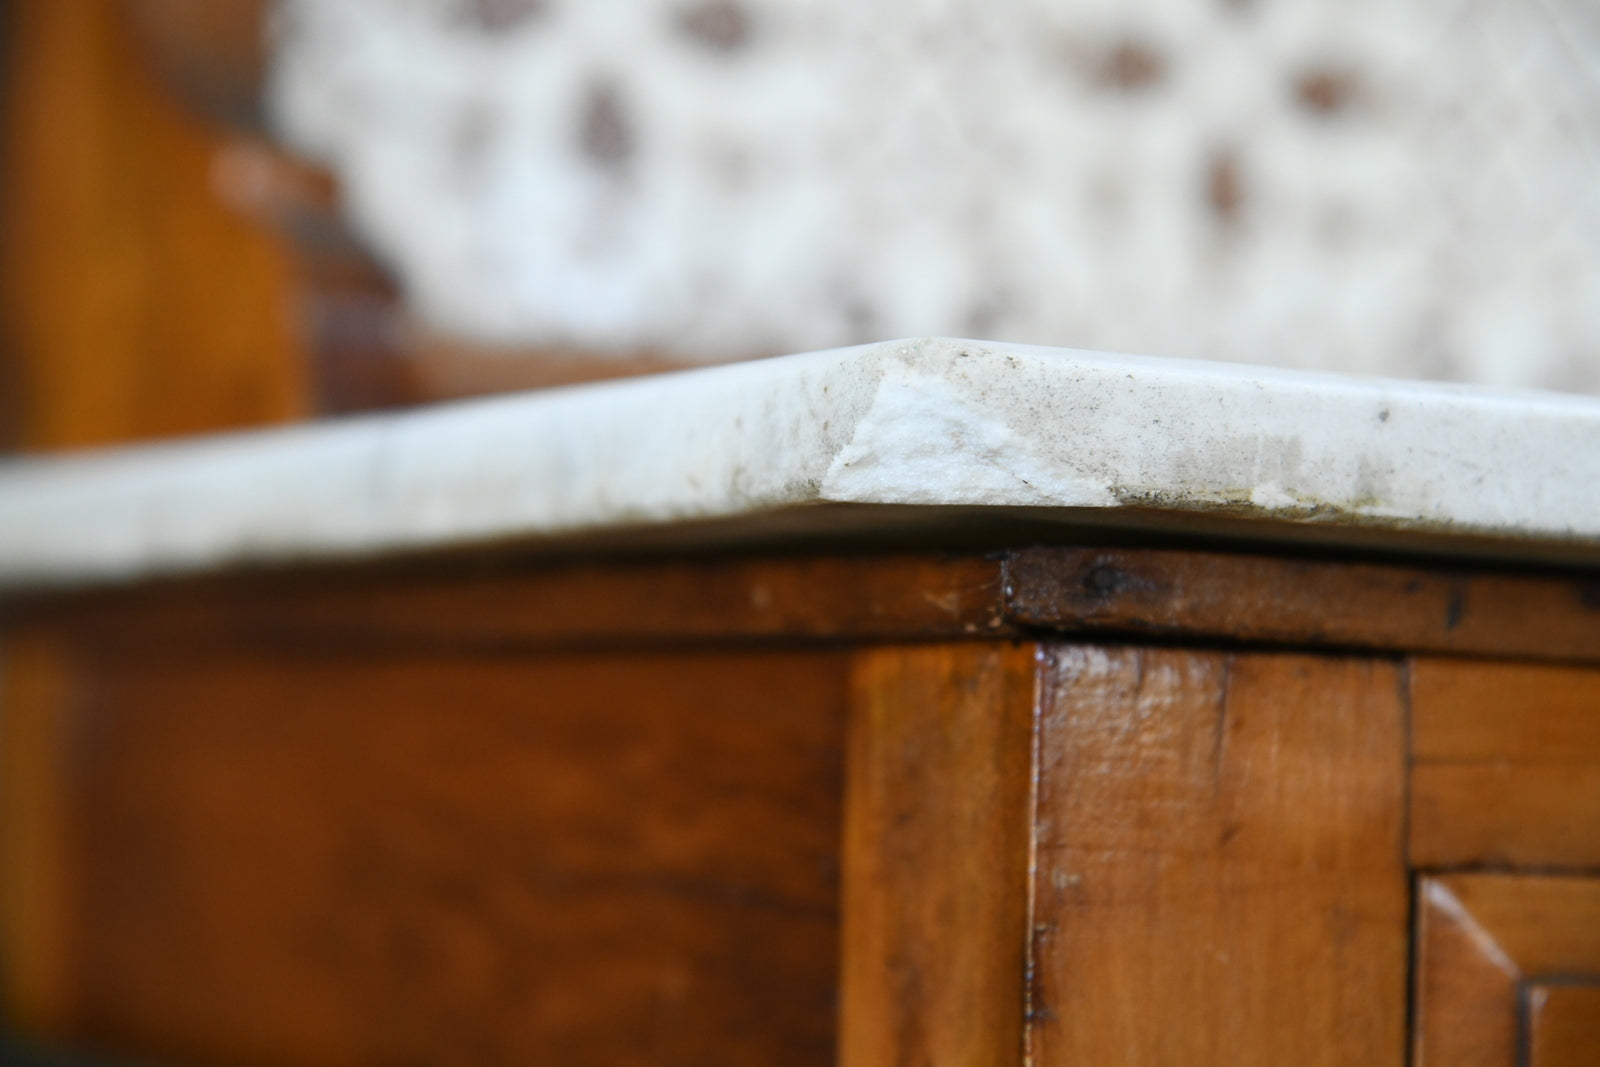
[930,423]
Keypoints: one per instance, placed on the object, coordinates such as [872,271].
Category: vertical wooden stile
[938,814]
[1220,874]
[36,686]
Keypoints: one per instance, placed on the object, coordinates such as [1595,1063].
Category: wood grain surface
[1564,1026]
[503,596]
[530,604]
[1485,943]
[307,858]
[1220,873]
[1253,598]
[938,816]
[1506,765]
[343,817]
[40,690]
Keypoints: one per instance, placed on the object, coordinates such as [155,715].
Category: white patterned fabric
[1406,187]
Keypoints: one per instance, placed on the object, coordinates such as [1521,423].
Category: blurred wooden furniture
[135,302]
[868,783]
[166,268]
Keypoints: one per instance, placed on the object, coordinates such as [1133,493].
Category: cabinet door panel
[1564,1026]
[308,856]
[1498,957]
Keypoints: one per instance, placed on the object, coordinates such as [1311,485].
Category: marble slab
[890,436]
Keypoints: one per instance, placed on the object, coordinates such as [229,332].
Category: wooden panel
[494,597]
[1507,765]
[1482,941]
[38,692]
[1304,602]
[428,858]
[936,851]
[1220,875]
[1546,925]
[498,597]
[528,605]
[1466,988]
[1505,815]
[133,304]
[1563,1026]
[1465,710]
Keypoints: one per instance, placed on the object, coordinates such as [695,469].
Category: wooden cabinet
[1054,806]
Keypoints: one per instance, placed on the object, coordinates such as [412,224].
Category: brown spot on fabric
[1132,66]
[471,136]
[496,16]
[982,318]
[720,25]
[860,320]
[1325,91]
[732,165]
[1224,187]
[604,132]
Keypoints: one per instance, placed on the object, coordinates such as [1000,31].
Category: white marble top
[958,427]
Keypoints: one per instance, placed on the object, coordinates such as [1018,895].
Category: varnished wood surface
[40,687]
[1564,1025]
[1484,941]
[1304,602]
[500,597]
[293,788]
[938,820]
[1220,876]
[1506,765]
[301,859]
[133,303]
[1468,710]
[1466,988]
[564,605]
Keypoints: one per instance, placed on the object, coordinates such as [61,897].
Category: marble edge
[929,422]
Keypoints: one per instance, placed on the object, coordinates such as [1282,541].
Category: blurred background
[222,213]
